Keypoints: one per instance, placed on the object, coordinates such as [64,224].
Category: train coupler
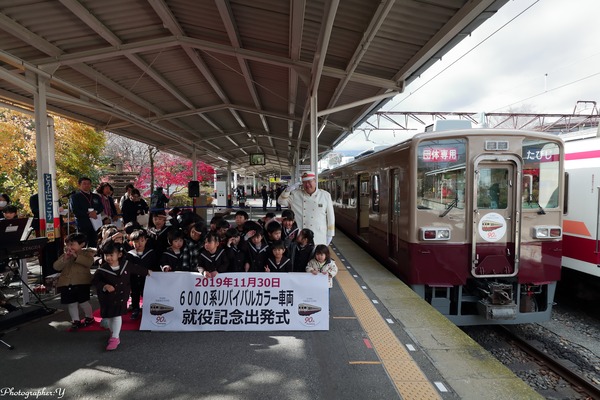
[499,303]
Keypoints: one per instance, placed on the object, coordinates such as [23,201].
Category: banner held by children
[187,301]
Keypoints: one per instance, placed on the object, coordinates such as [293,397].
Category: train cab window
[492,191]
[541,174]
[375,193]
[441,175]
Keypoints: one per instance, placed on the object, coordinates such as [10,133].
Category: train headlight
[546,232]
[435,233]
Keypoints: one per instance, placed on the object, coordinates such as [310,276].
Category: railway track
[564,370]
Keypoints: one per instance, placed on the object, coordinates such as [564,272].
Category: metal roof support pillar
[49,219]
[46,163]
[296,162]
[194,164]
[228,190]
[314,130]
[195,200]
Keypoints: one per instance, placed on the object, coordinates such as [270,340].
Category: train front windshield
[541,174]
[441,174]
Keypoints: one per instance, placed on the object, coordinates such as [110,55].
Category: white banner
[187,301]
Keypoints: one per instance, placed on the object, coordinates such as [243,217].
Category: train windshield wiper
[450,207]
[541,210]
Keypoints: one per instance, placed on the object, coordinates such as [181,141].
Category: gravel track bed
[572,336]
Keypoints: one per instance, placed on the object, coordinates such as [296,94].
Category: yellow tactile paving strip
[408,378]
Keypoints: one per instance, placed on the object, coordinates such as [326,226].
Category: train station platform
[384,342]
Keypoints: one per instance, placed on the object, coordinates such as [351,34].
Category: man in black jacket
[86,206]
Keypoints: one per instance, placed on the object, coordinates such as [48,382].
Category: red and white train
[469,219]
[581,246]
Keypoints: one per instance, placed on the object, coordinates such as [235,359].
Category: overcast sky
[544,60]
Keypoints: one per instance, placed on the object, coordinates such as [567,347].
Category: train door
[363,205]
[394,213]
[495,250]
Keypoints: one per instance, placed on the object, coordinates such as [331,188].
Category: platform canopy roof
[224,78]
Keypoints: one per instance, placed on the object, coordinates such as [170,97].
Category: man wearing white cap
[312,207]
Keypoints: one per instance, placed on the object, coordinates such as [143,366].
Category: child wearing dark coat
[277,261]
[159,234]
[302,250]
[234,250]
[257,251]
[172,258]
[113,284]
[213,259]
[144,256]
[273,230]
[289,228]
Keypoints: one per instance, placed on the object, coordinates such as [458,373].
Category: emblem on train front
[492,227]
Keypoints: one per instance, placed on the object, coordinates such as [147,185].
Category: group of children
[125,258]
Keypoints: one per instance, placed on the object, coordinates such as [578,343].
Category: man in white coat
[312,207]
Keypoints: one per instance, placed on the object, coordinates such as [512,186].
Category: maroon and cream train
[470,219]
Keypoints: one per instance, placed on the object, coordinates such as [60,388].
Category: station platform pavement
[384,342]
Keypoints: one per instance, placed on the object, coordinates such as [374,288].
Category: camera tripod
[18,268]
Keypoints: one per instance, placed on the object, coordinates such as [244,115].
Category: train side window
[352,196]
[345,192]
[375,193]
[566,195]
[396,192]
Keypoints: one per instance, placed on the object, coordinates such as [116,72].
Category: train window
[493,188]
[541,174]
[396,192]
[375,193]
[566,196]
[441,174]
[352,195]
[345,192]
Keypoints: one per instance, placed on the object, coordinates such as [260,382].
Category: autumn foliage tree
[78,152]
[172,173]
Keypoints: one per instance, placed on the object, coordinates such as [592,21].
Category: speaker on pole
[194,189]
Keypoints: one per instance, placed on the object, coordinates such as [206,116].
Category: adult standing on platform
[158,200]
[134,207]
[105,191]
[128,189]
[278,191]
[265,197]
[312,207]
[86,206]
